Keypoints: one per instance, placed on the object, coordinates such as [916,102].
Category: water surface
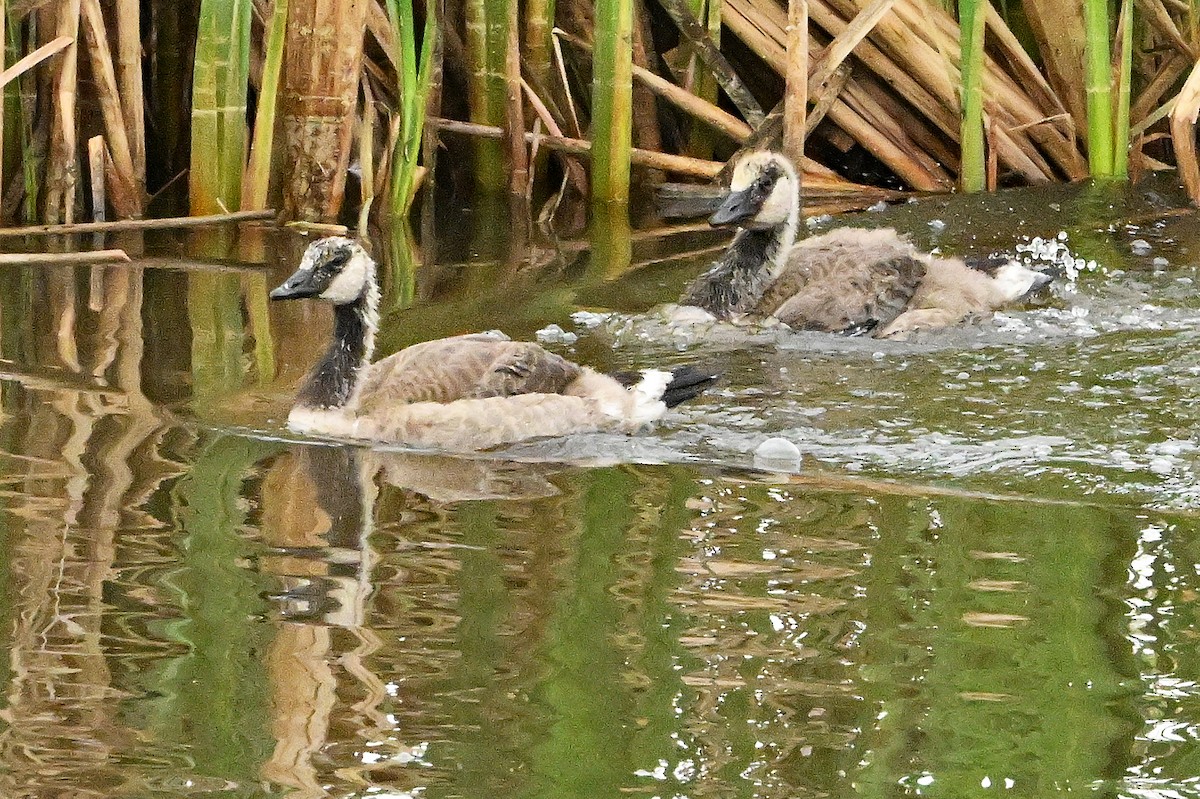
[980,577]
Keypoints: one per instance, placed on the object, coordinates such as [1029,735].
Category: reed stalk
[539,47]
[486,42]
[703,82]
[612,103]
[219,86]
[973,171]
[795,97]
[258,178]
[516,155]
[1099,88]
[62,165]
[1183,133]
[322,68]
[125,195]
[130,83]
[1123,91]
[698,37]
[414,87]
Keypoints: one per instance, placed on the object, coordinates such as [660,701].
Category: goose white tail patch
[1015,280]
[648,405]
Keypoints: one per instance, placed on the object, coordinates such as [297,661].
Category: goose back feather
[846,280]
[463,367]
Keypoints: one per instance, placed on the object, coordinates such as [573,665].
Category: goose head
[335,269]
[764,193]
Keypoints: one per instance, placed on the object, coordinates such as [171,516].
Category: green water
[981,579]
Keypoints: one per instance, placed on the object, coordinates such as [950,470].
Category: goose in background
[461,393]
[848,280]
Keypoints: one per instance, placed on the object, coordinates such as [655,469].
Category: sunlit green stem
[258,180]
[219,106]
[1125,76]
[612,101]
[971,15]
[414,88]
[1099,88]
[485,54]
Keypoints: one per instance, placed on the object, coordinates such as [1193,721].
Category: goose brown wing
[849,280]
[463,367]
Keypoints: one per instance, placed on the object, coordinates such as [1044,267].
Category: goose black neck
[736,282]
[331,382]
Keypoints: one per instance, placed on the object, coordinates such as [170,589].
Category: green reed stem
[1124,82]
[539,49]
[219,106]
[612,101]
[486,41]
[973,173]
[1099,87]
[415,84]
[258,179]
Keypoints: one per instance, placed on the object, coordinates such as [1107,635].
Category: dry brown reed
[870,90]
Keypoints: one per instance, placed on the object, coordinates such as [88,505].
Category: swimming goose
[462,393]
[849,280]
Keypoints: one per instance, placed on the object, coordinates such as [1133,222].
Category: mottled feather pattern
[463,367]
[849,279]
[732,285]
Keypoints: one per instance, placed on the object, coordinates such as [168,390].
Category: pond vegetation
[978,574]
[111,108]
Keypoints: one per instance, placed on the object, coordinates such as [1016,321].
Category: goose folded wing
[847,280]
[463,367]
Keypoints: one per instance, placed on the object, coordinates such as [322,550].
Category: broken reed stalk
[667,162]
[612,101]
[62,165]
[1099,88]
[681,98]
[795,97]
[219,106]
[125,195]
[973,172]
[1183,133]
[168,223]
[258,171]
[322,63]
[697,35]
[96,168]
[52,258]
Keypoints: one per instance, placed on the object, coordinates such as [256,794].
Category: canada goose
[849,280]
[461,393]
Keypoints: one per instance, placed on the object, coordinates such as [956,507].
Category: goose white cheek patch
[778,206]
[348,284]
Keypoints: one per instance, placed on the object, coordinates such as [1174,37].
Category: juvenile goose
[849,280]
[460,393]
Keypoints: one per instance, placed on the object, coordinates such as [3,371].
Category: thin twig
[138,224]
[680,164]
[89,257]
